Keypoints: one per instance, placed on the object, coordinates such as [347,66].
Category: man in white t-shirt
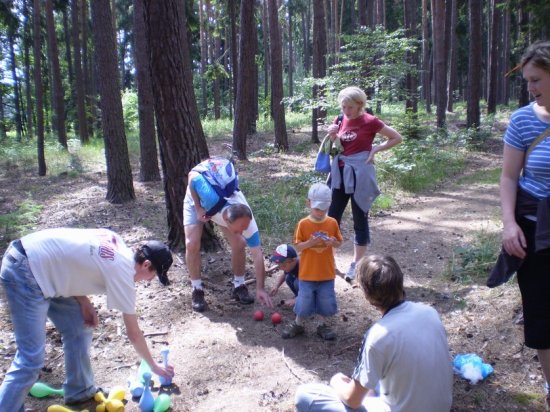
[234,217]
[49,274]
[404,362]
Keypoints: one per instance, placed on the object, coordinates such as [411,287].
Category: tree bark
[319,69]
[493,57]
[28,86]
[474,64]
[276,54]
[38,90]
[426,84]
[120,187]
[57,88]
[148,156]
[79,80]
[245,88]
[204,57]
[16,96]
[178,123]
[452,66]
[411,82]
[440,60]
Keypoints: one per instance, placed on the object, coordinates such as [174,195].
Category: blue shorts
[316,298]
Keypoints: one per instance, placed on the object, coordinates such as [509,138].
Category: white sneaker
[350,274]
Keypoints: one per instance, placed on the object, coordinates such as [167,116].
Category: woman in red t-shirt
[356,132]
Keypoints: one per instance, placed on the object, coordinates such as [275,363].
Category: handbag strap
[535,142]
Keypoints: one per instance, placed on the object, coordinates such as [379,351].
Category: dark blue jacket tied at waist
[526,205]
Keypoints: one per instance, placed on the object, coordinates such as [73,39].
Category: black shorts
[534,284]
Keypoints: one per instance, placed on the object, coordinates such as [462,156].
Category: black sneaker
[293,330]
[197,299]
[241,295]
[325,332]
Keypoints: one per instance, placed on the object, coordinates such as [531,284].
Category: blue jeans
[337,207]
[29,310]
[316,298]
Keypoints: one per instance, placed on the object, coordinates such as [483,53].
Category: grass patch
[278,209]
[472,262]
[21,221]
[525,398]
[491,176]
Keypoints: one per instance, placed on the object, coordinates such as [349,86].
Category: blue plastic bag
[471,367]
[322,163]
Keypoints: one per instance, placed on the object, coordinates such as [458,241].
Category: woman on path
[525,202]
[352,172]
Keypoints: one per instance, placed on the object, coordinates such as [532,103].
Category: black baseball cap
[160,256]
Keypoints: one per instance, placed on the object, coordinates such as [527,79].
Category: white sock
[238,280]
[196,283]
[547,387]
[299,321]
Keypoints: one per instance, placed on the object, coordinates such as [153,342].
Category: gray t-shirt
[407,353]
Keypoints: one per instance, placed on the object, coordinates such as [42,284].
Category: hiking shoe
[240,294]
[325,332]
[350,274]
[293,330]
[197,299]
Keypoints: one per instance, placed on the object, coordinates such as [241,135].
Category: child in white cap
[315,238]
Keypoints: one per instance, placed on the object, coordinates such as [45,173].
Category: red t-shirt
[357,134]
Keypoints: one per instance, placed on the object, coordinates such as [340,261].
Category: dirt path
[225,361]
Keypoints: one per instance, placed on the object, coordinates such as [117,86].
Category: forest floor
[226,361]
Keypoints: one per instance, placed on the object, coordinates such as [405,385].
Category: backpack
[221,174]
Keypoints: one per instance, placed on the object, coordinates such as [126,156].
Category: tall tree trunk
[148,165]
[267,60]
[362,10]
[411,82]
[26,53]
[38,90]
[15,79]
[523,17]
[79,80]
[3,132]
[505,58]
[474,64]
[440,60]
[276,54]
[452,66]
[493,57]
[232,9]
[290,52]
[426,83]
[245,88]
[319,69]
[89,100]
[305,37]
[215,45]
[57,88]
[120,187]
[179,128]
[204,57]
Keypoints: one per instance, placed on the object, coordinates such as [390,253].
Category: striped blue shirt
[523,129]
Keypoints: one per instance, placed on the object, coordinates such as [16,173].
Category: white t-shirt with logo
[77,262]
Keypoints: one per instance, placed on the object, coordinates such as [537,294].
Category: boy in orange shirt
[315,237]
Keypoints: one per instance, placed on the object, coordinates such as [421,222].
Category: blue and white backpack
[221,174]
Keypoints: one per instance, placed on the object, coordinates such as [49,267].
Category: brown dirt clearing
[226,361]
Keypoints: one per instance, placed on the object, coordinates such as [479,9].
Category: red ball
[276,318]
[258,315]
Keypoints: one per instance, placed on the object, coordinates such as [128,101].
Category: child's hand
[333,129]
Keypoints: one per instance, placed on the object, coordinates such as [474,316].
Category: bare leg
[238,257]
[193,235]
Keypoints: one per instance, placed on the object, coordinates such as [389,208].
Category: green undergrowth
[21,221]
[472,262]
